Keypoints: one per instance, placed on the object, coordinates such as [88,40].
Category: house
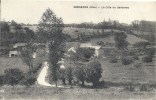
[13,53]
[89,45]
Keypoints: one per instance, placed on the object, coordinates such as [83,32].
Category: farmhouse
[89,45]
[16,49]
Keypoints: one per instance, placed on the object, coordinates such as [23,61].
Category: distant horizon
[76,23]
[31,11]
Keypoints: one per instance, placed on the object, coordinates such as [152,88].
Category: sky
[26,11]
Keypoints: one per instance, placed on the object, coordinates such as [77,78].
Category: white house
[88,45]
[13,53]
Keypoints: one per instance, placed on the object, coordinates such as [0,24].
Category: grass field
[116,72]
[130,38]
[47,93]
[15,62]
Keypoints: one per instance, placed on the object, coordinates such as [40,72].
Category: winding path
[42,76]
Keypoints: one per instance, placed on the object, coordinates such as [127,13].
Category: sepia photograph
[77,50]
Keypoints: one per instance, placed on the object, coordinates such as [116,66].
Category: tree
[62,75]
[69,74]
[85,53]
[29,34]
[50,32]
[79,73]
[93,72]
[120,41]
[27,55]
[126,60]
[13,76]
[141,45]
[4,26]
[147,59]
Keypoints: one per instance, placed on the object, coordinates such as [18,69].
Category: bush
[101,43]
[135,57]
[126,60]
[27,81]
[147,59]
[13,76]
[129,88]
[150,52]
[69,75]
[93,72]
[137,65]
[85,53]
[37,68]
[113,60]
[79,73]
[2,80]
[144,87]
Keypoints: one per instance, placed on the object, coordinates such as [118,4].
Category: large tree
[93,72]
[120,41]
[50,32]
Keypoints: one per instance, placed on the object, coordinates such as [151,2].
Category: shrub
[79,73]
[137,65]
[113,60]
[69,75]
[93,72]
[150,52]
[28,81]
[129,88]
[1,79]
[100,43]
[85,53]
[13,76]
[135,57]
[144,87]
[147,59]
[126,60]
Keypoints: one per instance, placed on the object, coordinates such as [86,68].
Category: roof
[19,45]
[88,45]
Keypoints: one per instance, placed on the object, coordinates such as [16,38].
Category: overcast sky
[31,11]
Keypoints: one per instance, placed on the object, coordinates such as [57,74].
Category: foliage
[4,26]
[85,53]
[62,75]
[28,81]
[141,44]
[93,72]
[126,60]
[13,76]
[100,43]
[144,87]
[30,34]
[1,79]
[50,26]
[27,55]
[147,59]
[113,60]
[135,57]
[137,65]
[150,52]
[69,74]
[120,41]
[79,73]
